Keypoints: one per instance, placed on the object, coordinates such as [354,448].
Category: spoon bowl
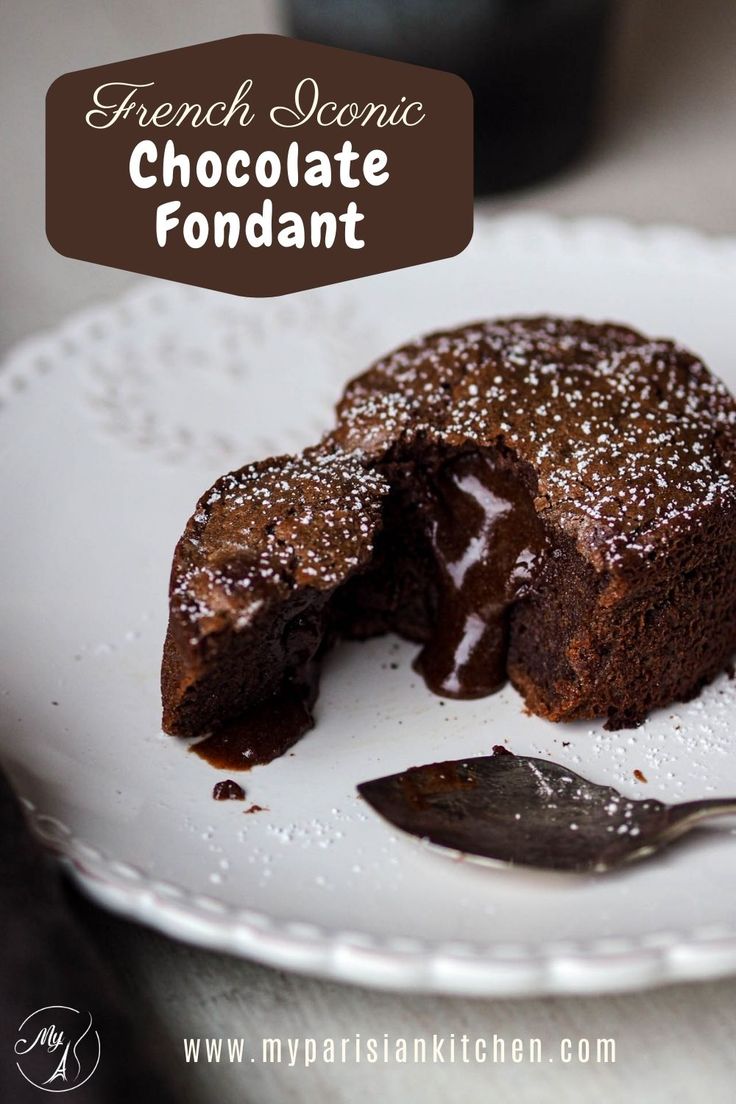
[516,810]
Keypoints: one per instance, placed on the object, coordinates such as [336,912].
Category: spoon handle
[689,813]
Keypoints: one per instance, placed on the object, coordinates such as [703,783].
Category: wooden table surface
[666,152]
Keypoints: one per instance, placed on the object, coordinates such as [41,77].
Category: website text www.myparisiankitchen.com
[450,1049]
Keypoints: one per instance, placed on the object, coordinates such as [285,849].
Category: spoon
[512,809]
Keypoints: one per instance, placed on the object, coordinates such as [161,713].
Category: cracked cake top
[270,527]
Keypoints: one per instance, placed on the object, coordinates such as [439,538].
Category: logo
[57,1048]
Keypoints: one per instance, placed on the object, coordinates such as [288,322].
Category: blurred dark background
[535,68]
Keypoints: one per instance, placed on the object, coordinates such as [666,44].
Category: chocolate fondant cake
[546,500]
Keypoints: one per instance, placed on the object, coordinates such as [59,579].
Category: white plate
[111,427]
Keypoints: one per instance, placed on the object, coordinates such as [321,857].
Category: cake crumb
[227,790]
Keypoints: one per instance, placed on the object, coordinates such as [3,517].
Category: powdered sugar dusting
[302,521]
[630,437]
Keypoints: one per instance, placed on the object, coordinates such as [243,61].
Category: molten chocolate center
[486,539]
[474,542]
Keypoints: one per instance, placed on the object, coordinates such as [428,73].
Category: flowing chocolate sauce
[487,540]
[264,733]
